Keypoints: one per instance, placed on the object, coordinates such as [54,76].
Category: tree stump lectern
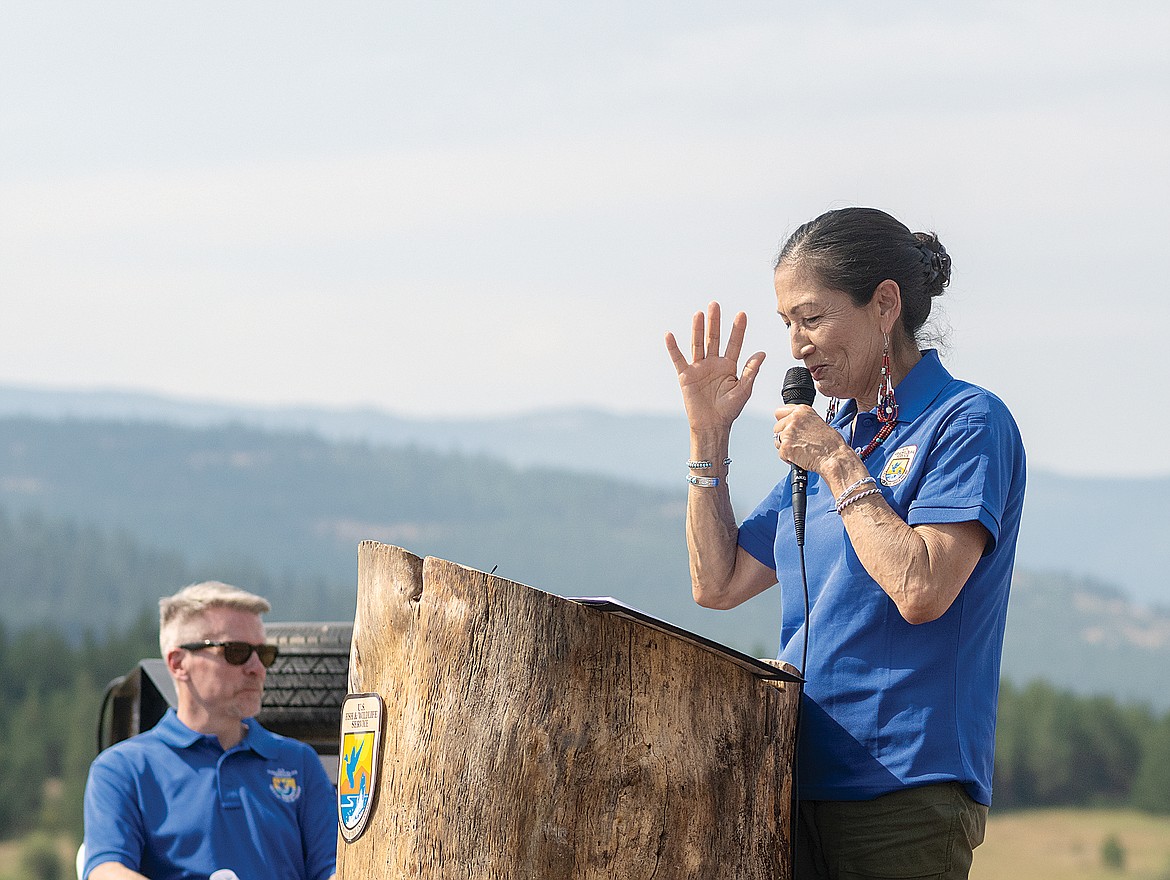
[530,737]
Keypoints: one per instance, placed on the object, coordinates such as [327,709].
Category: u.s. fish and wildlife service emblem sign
[360,758]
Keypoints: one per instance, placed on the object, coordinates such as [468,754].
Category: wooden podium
[530,737]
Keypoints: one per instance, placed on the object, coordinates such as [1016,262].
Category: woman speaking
[914,493]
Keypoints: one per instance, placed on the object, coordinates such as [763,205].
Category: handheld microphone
[798,388]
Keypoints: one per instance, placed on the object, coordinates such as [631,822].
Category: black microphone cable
[798,389]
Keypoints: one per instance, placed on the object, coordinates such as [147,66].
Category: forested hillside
[77,578]
[1088,637]
[1092,523]
[296,506]
[99,519]
[1057,749]
[1054,748]
[50,690]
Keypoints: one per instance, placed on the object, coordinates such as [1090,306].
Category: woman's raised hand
[714,391]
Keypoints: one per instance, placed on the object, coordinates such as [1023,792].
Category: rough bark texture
[527,736]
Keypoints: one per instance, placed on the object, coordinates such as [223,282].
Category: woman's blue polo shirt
[170,803]
[890,705]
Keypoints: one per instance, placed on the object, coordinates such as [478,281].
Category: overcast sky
[484,208]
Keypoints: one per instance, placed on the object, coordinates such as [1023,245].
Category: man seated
[208,789]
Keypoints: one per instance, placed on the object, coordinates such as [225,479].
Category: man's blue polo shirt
[889,704]
[173,805]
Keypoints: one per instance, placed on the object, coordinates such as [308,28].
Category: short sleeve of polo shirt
[113,832]
[757,534]
[968,473]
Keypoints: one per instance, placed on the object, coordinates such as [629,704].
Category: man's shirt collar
[175,733]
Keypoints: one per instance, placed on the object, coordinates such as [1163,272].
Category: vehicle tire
[308,682]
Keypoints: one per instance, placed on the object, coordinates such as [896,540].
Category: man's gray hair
[178,613]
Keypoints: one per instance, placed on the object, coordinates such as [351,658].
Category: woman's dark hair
[855,249]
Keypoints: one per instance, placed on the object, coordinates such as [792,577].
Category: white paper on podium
[616,606]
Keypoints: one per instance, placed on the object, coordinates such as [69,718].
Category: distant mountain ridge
[1111,529]
[1087,637]
[97,516]
[97,519]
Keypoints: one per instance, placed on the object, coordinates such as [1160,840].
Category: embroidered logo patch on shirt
[284,785]
[898,466]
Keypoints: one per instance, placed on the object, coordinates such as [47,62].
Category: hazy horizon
[473,210]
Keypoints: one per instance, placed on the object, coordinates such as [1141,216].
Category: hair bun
[936,262]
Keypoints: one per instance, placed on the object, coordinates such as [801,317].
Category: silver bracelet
[703,464]
[703,482]
[842,505]
[866,480]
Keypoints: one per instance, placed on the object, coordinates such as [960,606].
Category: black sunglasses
[237,653]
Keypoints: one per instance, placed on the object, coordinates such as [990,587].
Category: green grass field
[1067,845]
[10,858]
[1025,845]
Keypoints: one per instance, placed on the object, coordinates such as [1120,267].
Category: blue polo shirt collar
[914,393]
[259,740]
[175,733]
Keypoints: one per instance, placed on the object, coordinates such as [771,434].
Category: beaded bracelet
[702,464]
[703,482]
[842,505]
[862,482]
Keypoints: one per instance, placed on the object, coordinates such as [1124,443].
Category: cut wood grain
[528,736]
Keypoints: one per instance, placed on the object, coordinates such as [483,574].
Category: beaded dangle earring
[887,408]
